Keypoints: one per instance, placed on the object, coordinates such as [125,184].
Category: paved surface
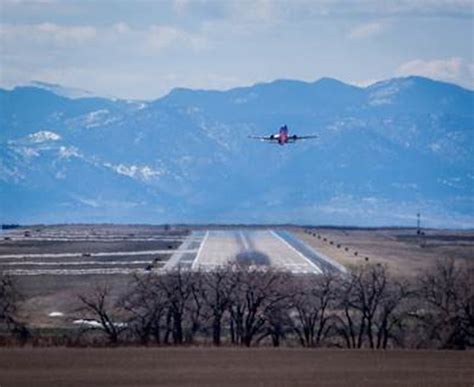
[323,261]
[185,255]
[254,247]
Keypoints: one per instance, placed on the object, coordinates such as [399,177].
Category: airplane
[282,137]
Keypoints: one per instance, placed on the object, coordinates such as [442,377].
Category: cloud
[122,28]
[78,34]
[96,57]
[144,49]
[46,33]
[307,9]
[60,45]
[160,37]
[454,69]
[367,30]
[49,35]
[27,2]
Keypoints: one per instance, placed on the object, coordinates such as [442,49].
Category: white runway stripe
[103,254]
[195,263]
[67,239]
[72,263]
[74,272]
[244,241]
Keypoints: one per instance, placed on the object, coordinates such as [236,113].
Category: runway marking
[102,254]
[65,239]
[296,251]
[72,263]
[74,271]
[193,266]
[244,241]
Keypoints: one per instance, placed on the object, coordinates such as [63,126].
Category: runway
[278,249]
[200,250]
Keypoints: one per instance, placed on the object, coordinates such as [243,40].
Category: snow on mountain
[44,135]
[144,173]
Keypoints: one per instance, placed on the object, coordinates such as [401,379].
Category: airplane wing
[265,138]
[292,139]
[308,137]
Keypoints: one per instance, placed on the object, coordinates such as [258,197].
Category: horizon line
[37,84]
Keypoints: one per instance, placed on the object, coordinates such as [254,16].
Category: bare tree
[147,307]
[350,320]
[98,307]
[277,320]
[195,316]
[256,292]
[216,292]
[447,309]
[392,314]
[9,299]
[371,284]
[370,307]
[311,305]
[177,287]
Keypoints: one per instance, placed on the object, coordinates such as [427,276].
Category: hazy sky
[142,49]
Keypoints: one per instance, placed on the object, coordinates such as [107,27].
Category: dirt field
[232,367]
[402,250]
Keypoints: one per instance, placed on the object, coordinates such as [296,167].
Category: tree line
[250,306]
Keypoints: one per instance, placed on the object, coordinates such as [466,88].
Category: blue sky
[142,49]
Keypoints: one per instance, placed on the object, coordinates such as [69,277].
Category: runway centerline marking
[296,251]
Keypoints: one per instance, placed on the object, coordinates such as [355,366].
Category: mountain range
[384,153]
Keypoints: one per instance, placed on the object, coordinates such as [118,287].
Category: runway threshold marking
[193,266]
[296,251]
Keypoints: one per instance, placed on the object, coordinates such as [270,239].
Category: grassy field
[232,367]
[404,252]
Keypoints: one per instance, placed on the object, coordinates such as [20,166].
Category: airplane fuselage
[283,135]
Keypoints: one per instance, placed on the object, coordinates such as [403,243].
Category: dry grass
[232,367]
[44,294]
[404,253]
